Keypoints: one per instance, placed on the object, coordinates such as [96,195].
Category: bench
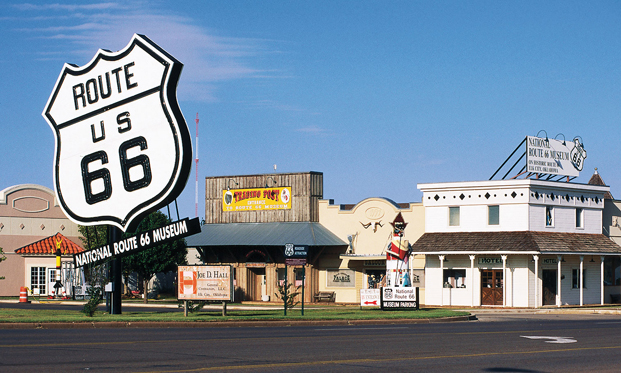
[325,296]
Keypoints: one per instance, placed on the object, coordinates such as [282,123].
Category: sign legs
[114,235]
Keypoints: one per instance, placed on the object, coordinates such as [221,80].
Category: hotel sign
[256,199]
[554,157]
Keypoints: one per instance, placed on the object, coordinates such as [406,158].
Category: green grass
[333,313]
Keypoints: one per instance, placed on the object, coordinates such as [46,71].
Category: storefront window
[454,278]
[454,216]
[281,276]
[575,278]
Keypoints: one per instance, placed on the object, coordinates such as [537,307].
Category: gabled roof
[47,246]
[527,242]
[264,234]
[597,180]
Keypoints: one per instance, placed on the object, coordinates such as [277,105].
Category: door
[548,282]
[491,287]
[256,283]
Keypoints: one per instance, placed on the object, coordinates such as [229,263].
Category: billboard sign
[554,157]
[123,148]
[256,199]
[209,283]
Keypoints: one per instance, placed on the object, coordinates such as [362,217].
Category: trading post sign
[123,148]
[211,283]
[142,241]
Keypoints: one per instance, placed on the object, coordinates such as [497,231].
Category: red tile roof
[47,246]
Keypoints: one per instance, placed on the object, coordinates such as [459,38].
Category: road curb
[227,324]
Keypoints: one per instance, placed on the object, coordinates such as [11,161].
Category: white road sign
[123,148]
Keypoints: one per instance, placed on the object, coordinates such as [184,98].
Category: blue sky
[446,89]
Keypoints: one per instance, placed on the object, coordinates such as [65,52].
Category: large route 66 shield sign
[123,148]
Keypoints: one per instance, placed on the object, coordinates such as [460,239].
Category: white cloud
[80,30]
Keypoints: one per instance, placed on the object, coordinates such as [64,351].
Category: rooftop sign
[554,157]
[123,148]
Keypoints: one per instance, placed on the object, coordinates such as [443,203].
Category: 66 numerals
[103,173]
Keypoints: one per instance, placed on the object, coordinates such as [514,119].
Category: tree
[93,237]
[162,258]
[2,258]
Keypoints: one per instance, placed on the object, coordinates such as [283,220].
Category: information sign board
[399,297]
[209,283]
[296,254]
[369,297]
[554,157]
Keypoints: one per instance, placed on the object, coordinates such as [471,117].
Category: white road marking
[552,339]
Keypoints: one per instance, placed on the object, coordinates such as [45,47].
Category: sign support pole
[286,295]
[115,234]
[303,286]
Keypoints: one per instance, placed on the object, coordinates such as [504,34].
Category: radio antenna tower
[196,166]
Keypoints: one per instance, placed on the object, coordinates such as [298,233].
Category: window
[579,218]
[575,278]
[37,280]
[454,216]
[454,278]
[493,215]
[549,216]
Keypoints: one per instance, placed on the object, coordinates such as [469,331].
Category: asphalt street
[496,342]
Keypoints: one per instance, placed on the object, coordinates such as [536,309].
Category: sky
[377,95]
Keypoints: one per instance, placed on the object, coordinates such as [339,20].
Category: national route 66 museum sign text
[123,148]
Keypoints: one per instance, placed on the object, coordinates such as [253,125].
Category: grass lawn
[328,313]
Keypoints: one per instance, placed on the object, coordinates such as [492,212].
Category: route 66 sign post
[296,256]
[123,148]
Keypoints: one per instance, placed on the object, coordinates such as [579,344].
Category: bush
[287,295]
[96,296]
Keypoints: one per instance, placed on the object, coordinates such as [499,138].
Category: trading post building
[250,219]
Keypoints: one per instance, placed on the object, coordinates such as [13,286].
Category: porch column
[558,280]
[504,280]
[472,280]
[601,280]
[441,279]
[581,280]
[536,258]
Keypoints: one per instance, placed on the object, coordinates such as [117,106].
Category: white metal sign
[369,297]
[123,148]
[554,157]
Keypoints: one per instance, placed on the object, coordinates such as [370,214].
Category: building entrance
[548,282]
[491,287]
[257,285]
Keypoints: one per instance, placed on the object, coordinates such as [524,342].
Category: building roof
[47,246]
[526,242]
[264,234]
[596,179]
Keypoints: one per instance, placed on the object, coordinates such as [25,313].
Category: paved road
[495,343]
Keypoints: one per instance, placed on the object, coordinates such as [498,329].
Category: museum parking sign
[123,148]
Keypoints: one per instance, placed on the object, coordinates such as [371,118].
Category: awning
[527,242]
[363,257]
[264,234]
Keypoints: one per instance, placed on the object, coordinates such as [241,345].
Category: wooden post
[185,308]
[223,308]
